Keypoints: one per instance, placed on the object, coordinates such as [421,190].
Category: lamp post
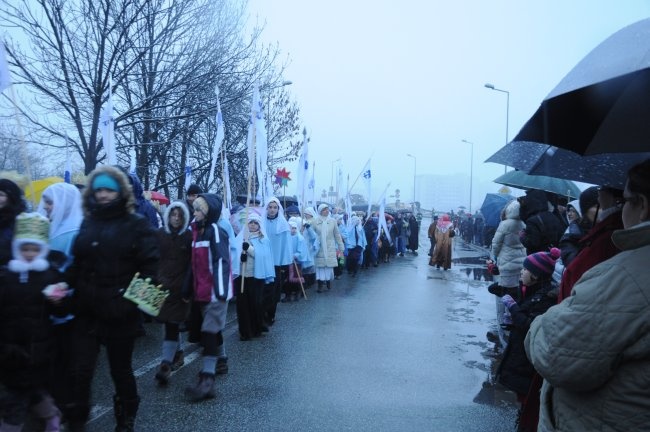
[414,172]
[332,177]
[471,172]
[491,87]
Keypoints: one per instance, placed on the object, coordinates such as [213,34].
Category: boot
[328,285]
[204,389]
[222,366]
[163,373]
[125,411]
[320,287]
[179,360]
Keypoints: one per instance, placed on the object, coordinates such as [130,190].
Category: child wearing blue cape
[257,270]
[355,243]
[302,259]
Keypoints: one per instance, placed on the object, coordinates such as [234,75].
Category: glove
[306,225]
[245,246]
[243,257]
[508,301]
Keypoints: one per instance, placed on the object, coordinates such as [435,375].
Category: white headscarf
[310,211]
[67,212]
[283,225]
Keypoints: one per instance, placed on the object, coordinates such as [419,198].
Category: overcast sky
[385,78]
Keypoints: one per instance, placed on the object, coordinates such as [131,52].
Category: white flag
[188,176]
[367,177]
[311,186]
[106,124]
[382,220]
[221,133]
[226,175]
[5,78]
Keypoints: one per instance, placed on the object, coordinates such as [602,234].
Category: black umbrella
[608,169]
[602,105]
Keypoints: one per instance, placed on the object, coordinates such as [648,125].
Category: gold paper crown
[32,227]
[146,295]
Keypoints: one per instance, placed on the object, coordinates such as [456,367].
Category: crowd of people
[65,268]
[576,343]
[572,282]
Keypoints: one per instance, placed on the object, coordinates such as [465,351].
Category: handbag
[148,297]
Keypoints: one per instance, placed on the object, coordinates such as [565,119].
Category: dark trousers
[250,313]
[62,364]
[273,292]
[119,351]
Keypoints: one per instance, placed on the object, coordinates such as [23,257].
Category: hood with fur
[186,216]
[126,192]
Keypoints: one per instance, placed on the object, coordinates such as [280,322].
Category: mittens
[243,257]
[245,246]
[508,301]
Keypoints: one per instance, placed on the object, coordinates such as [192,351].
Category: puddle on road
[474,267]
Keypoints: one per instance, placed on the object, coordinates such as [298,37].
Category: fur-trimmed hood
[126,191]
[186,216]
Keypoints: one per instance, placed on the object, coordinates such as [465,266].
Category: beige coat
[330,239]
[593,349]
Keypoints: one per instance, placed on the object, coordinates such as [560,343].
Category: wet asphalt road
[401,347]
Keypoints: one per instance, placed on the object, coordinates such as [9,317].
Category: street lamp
[414,171]
[471,172]
[332,177]
[491,87]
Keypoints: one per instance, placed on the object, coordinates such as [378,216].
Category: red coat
[596,247]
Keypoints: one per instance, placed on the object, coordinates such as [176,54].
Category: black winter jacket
[113,244]
[26,343]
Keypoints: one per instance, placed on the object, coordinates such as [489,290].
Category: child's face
[176,218]
[272,209]
[527,277]
[253,226]
[294,230]
[29,251]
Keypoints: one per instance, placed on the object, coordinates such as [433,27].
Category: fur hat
[542,264]
[588,199]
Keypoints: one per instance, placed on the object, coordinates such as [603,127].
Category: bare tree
[12,156]
[165,58]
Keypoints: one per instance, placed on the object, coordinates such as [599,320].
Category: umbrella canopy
[38,186]
[492,206]
[608,169]
[156,196]
[521,180]
[601,105]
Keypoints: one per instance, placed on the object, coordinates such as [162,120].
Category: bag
[148,297]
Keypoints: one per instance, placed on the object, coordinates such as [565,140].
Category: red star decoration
[282,176]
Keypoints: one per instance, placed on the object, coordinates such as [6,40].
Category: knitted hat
[194,189]
[322,206]
[295,221]
[292,209]
[542,264]
[31,228]
[105,181]
[588,199]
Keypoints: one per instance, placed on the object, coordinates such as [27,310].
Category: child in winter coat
[209,285]
[175,258]
[258,269]
[302,259]
[537,294]
[30,291]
